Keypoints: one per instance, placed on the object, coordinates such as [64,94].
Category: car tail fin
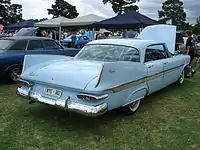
[32,60]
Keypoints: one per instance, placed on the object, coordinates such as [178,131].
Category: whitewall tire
[131,108]
[181,78]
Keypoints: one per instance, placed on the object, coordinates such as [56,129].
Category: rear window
[4,44]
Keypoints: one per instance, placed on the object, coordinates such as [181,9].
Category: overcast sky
[37,9]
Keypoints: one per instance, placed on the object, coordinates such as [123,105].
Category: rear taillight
[88,97]
[23,83]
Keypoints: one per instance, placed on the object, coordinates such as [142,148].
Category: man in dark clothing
[190,48]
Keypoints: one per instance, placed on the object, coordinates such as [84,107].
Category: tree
[4,6]
[63,8]
[39,20]
[172,10]
[10,13]
[15,13]
[120,6]
[185,26]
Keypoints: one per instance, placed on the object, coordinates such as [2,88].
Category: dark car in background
[13,50]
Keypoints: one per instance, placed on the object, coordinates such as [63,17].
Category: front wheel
[130,108]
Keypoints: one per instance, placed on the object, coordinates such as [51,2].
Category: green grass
[169,119]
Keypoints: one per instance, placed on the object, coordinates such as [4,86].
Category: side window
[130,54]
[81,38]
[35,45]
[19,45]
[155,52]
[50,44]
[85,38]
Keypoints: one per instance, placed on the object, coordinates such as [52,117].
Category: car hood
[74,73]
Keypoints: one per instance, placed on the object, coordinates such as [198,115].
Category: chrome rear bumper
[67,104]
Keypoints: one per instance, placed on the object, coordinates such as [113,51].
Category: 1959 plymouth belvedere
[106,74]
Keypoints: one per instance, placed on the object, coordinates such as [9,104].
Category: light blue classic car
[106,74]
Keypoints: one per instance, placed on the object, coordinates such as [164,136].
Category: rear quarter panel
[124,81]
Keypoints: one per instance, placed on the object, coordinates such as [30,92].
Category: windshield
[4,44]
[108,52]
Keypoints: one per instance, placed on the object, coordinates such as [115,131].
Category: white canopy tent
[55,22]
[52,23]
[84,20]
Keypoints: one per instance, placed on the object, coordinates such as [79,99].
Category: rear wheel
[130,108]
[181,78]
[13,74]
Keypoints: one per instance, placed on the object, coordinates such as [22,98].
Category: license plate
[53,92]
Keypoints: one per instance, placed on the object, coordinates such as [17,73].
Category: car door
[51,47]
[171,67]
[16,52]
[154,62]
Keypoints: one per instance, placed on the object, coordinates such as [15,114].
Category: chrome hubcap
[182,77]
[15,74]
[134,106]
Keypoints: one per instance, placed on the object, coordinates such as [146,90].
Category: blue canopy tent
[19,25]
[127,20]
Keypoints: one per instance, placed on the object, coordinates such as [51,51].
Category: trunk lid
[74,73]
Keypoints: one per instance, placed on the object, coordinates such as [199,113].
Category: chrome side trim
[124,86]
[133,101]
[100,74]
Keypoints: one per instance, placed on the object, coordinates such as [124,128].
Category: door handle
[150,66]
[165,63]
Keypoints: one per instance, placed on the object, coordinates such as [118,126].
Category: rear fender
[117,75]
[137,94]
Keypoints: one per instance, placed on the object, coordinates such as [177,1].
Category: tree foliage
[63,8]
[172,10]
[10,13]
[120,6]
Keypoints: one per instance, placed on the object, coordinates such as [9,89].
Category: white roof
[56,22]
[84,20]
[137,43]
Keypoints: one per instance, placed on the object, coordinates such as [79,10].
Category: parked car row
[13,50]
[106,74]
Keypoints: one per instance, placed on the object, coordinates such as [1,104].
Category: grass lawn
[169,119]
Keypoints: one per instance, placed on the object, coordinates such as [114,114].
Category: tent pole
[93,32]
[60,34]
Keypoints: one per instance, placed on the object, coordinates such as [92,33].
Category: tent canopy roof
[19,25]
[55,22]
[129,19]
[84,20]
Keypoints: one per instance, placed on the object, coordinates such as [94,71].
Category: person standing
[190,50]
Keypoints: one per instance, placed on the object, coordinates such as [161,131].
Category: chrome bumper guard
[67,104]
